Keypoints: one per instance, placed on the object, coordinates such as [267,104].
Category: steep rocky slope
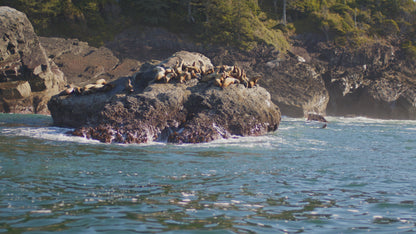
[373,81]
[314,76]
[27,77]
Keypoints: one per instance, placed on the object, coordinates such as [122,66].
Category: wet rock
[189,112]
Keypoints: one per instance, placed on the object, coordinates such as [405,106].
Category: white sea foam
[266,142]
[269,141]
[46,133]
[361,119]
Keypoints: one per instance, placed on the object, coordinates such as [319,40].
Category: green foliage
[409,49]
[240,23]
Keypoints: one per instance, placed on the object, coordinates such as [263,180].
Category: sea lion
[194,74]
[98,87]
[209,71]
[77,91]
[87,89]
[210,76]
[101,82]
[188,76]
[253,81]
[128,86]
[168,77]
[229,81]
[203,69]
[218,82]
[179,67]
[67,91]
[160,73]
[92,88]
[236,72]
[194,69]
[182,77]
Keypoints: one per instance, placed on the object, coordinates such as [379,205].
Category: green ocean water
[358,175]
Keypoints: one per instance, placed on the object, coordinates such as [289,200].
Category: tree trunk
[284,12]
[275,6]
[191,19]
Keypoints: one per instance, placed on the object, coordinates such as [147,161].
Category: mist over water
[357,175]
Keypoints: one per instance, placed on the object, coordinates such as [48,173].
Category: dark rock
[22,58]
[295,85]
[372,81]
[189,112]
[315,117]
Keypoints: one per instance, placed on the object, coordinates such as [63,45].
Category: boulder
[22,58]
[193,111]
[15,90]
[83,64]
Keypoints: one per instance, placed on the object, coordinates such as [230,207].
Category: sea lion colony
[221,76]
[100,85]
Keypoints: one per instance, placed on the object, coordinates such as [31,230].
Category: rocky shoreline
[315,76]
[147,108]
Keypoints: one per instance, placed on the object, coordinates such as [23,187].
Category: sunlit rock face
[24,66]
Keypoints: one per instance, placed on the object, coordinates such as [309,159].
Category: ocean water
[356,176]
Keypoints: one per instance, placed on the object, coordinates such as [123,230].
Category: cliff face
[27,77]
[373,81]
[315,76]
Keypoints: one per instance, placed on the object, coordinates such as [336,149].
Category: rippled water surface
[358,175]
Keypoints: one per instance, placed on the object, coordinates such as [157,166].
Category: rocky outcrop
[295,85]
[372,81]
[189,112]
[315,76]
[83,64]
[27,77]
